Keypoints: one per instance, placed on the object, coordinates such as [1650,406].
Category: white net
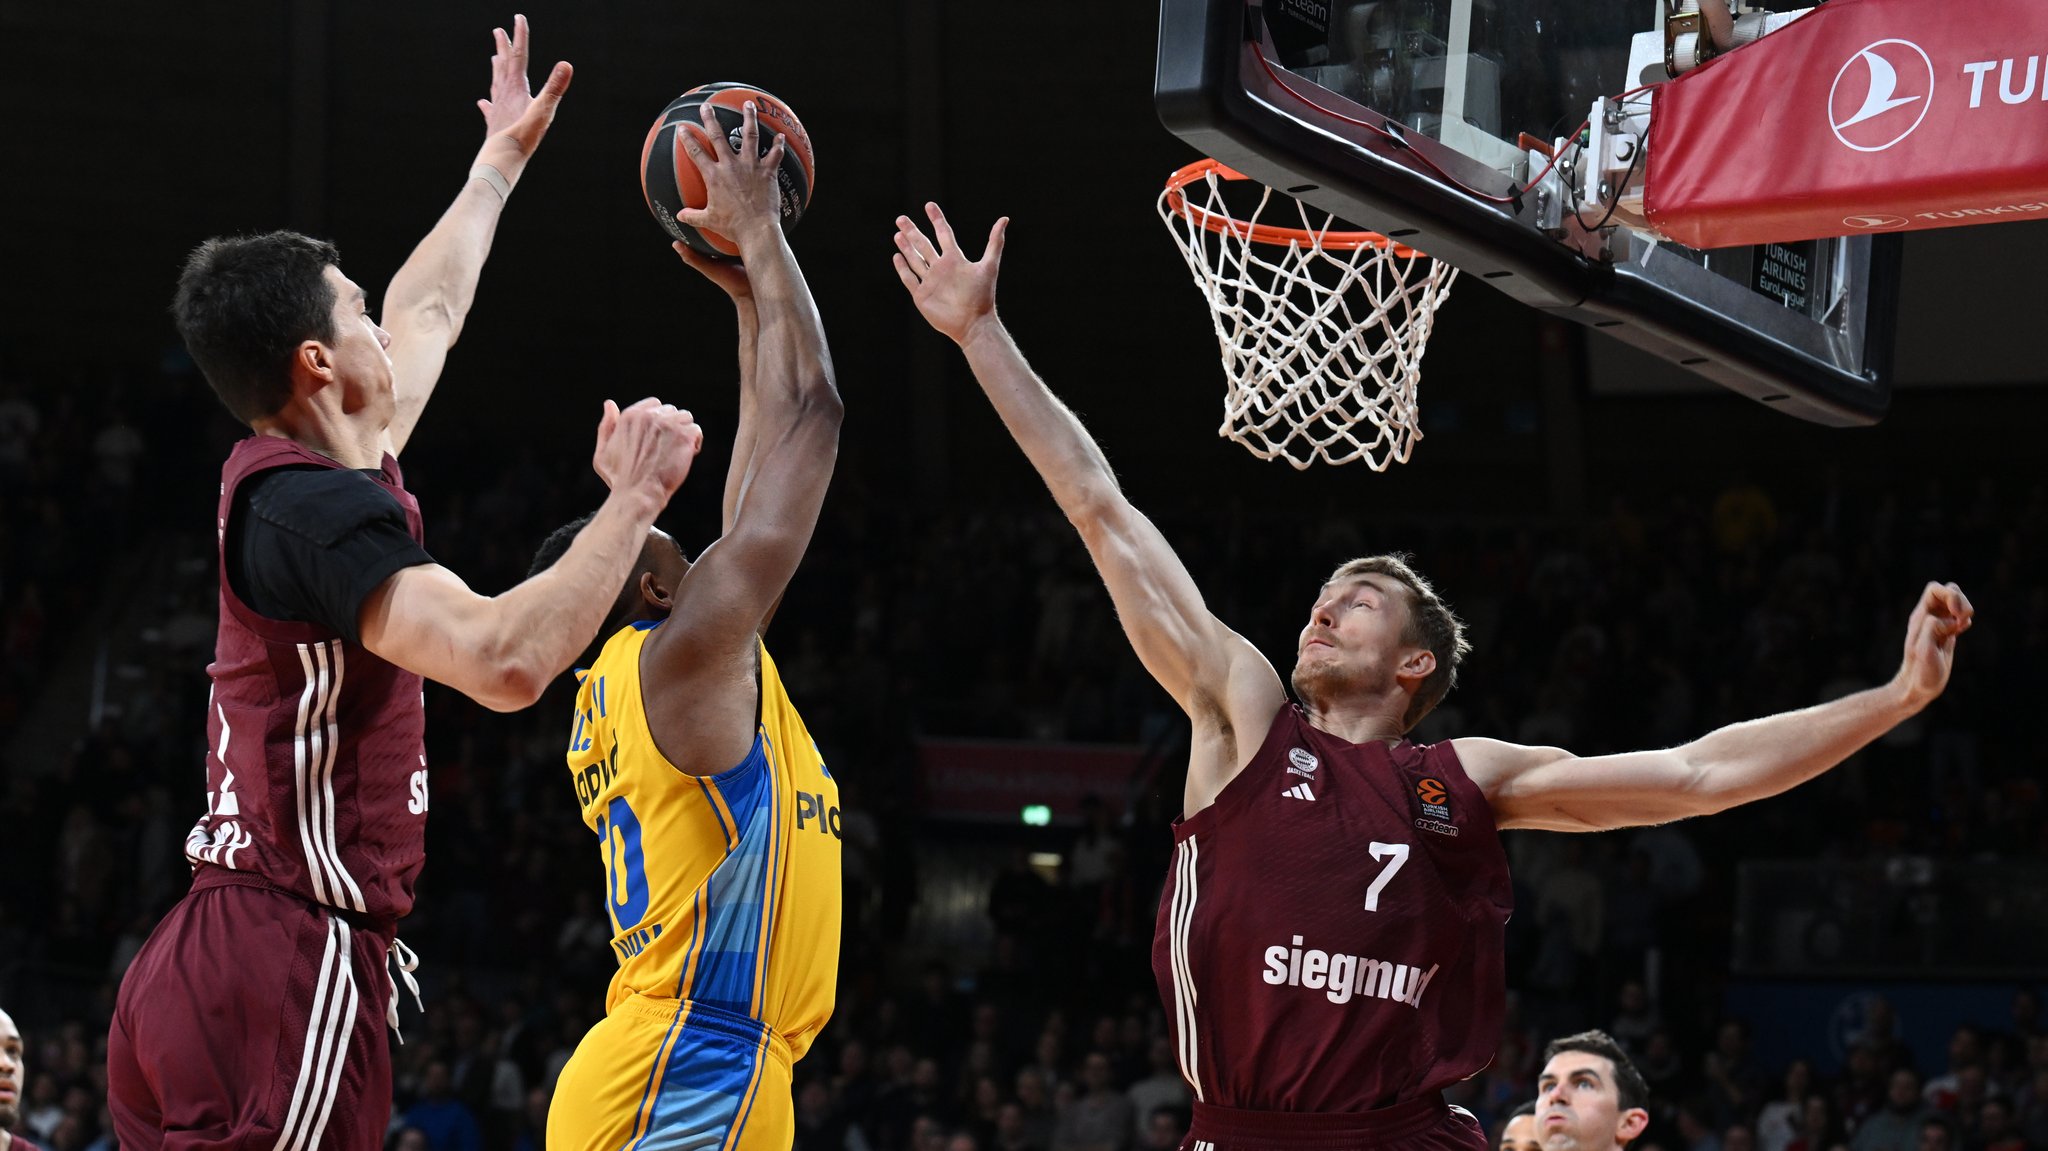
[1322,331]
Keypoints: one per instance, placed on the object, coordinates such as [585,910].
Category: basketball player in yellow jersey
[716,818]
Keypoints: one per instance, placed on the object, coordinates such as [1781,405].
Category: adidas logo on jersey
[1299,791]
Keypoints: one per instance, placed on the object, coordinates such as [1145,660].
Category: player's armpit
[427,621]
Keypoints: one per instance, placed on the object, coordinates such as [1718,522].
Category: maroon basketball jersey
[1330,939]
[316,770]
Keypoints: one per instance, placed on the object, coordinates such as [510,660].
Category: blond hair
[1431,624]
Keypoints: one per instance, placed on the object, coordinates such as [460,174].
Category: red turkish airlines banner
[1862,116]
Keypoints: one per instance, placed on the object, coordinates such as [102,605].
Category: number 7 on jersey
[1399,854]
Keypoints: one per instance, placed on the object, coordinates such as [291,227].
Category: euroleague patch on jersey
[1302,761]
[1435,797]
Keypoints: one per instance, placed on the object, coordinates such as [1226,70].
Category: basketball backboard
[1435,122]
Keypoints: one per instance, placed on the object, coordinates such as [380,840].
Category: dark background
[1560,488]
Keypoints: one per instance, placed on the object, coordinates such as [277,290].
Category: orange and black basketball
[669,179]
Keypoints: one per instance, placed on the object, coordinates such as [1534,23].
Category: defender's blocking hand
[1943,614]
[649,445]
[953,294]
[511,112]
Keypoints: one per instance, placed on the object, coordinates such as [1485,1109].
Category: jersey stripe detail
[643,1117]
[1185,891]
[769,903]
[315,747]
[337,1058]
[315,863]
[332,841]
[718,809]
[686,982]
[328,1027]
[732,1140]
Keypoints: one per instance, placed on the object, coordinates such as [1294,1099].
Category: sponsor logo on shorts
[1342,977]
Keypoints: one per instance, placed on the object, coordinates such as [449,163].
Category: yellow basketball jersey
[723,889]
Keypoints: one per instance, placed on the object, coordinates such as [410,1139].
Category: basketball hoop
[1322,331]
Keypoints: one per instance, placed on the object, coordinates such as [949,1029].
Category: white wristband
[496,179]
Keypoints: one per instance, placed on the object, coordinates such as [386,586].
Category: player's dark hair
[1629,1088]
[1431,624]
[553,548]
[1528,1108]
[245,304]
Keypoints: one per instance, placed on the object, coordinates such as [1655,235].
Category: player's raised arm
[1217,676]
[790,404]
[731,278]
[1545,787]
[502,650]
[428,299]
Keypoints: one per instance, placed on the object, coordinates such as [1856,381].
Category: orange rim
[1280,237]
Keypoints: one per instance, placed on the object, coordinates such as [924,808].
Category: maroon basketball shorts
[1418,1125]
[252,1019]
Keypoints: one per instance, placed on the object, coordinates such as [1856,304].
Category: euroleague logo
[1881,95]
[1436,799]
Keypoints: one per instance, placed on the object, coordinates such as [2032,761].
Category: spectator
[1897,1126]
[1163,1088]
[1164,1129]
[1034,1101]
[1100,1119]
[1995,1130]
[2033,1112]
[926,1134]
[1861,1093]
[1818,1128]
[533,1122]
[1936,1135]
[1881,1034]
[818,1126]
[444,1121]
[1972,1089]
[1589,1097]
[1634,1019]
[1777,1123]
[1733,1086]
[1519,1132]
[1699,1135]
[1965,1050]
[1011,1132]
[13,1070]
[45,1109]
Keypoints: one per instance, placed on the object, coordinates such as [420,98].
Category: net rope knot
[1322,331]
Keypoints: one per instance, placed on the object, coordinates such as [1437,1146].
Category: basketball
[670,182]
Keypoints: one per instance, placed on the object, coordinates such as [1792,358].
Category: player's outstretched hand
[512,114]
[725,273]
[649,446]
[954,294]
[742,200]
[1942,614]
